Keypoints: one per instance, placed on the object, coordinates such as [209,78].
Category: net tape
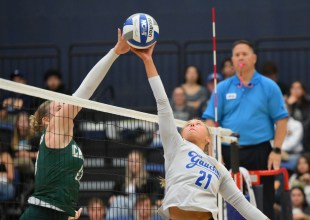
[84,103]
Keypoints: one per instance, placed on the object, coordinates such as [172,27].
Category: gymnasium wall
[63,23]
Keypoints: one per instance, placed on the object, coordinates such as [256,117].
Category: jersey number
[202,177]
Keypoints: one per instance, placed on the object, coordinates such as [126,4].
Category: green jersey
[57,177]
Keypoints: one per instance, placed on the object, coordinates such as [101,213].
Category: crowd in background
[18,145]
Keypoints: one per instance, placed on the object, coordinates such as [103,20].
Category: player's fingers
[119,33]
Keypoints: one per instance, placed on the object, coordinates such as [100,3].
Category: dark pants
[255,157]
[34,212]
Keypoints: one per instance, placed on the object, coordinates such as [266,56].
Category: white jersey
[193,178]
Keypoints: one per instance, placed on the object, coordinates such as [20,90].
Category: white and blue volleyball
[140,30]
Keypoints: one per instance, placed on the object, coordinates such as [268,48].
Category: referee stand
[252,181]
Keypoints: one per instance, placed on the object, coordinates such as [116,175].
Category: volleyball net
[123,155]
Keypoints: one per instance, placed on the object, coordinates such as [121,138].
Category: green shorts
[41,213]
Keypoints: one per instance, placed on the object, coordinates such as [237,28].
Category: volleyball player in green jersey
[59,164]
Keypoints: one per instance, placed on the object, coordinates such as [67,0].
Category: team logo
[197,160]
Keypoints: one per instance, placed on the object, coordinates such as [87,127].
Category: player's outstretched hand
[144,54]
[121,46]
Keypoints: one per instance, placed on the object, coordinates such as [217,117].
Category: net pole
[217,140]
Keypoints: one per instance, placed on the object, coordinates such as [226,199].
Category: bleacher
[105,153]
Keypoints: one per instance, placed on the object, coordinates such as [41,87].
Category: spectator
[251,105]
[195,92]
[96,209]
[143,208]
[137,180]
[227,68]
[292,144]
[179,105]
[300,106]
[12,103]
[18,76]
[300,208]
[7,190]
[22,145]
[270,70]
[301,177]
[53,81]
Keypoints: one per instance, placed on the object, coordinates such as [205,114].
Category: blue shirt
[252,112]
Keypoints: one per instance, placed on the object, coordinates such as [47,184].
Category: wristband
[277,150]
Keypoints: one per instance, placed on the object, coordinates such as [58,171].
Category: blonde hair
[16,133]
[143,174]
[36,123]
[162,180]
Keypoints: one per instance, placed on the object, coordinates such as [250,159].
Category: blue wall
[63,22]
[66,22]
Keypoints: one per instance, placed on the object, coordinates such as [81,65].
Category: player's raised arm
[167,128]
[63,118]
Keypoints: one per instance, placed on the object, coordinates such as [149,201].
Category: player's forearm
[233,195]
[96,75]
[280,133]
[150,68]
[167,128]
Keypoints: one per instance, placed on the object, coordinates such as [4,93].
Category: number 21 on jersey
[201,179]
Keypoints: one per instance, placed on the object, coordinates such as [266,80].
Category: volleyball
[140,30]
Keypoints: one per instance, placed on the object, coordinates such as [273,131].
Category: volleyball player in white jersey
[193,178]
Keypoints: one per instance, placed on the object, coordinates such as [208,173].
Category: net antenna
[217,149]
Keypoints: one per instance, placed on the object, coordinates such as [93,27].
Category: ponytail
[36,123]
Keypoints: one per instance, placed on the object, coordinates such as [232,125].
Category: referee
[253,106]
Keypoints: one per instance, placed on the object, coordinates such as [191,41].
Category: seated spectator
[23,147]
[53,81]
[292,144]
[301,177]
[96,209]
[195,92]
[270,70]
[300,107]
[137,180]
[18,76]
[300,208]
[144,209]
[12,103]
[179,105]
[227,68]
[7,190]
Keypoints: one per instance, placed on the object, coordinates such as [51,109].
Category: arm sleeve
[233,195]
[95,76]
[170,137]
